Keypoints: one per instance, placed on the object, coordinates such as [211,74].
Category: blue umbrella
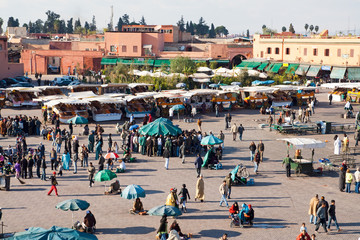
[78,120]
[58,233]
[214,85]
[211,140]
[73,205]
[178,107]
[132,127]
[164,209]
[181,85]
[236,83]
[133,191]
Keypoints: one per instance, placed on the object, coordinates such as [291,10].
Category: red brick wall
[60,45]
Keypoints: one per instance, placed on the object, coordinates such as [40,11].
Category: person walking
[101,162]
[30,166]
[287,161]
[223,189]
[342,179]
[198,163]
[229,181]
[252,148]
[332,215]
[257,162]
[200,189]
[348,181]
[53,184]
[91,140]
[166,156]
[261,149]
[337,145]
[43,167]
[312,210]
[241,130]
[53,157]
[222,138]
[234,131]
[226,121]
[91,172]
[216,110]
[357,180]
[330,98]
[71,128]
[199,123]
[24,167]
[183,198]
[182,152]
[321,213]
[357,136]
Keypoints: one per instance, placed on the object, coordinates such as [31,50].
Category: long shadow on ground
[217,233]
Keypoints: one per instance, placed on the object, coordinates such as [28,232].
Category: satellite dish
[157,27]
[182,48]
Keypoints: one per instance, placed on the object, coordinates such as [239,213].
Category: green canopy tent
[161,126]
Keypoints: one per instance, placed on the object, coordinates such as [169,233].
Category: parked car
[64,81]
[22,84]
[53,69]
[11,81]
[23,79]
[3,84]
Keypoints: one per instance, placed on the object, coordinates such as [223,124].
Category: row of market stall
[344,91]
[114,105]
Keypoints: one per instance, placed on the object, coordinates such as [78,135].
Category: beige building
[314,50]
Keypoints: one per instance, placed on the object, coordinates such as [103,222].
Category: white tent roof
[23,89]
[199,75]
[203,80]
[304,143]
[204,69]
[81,95]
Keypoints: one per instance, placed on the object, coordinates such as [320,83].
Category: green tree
[221,31]
[62,26]
[306,27]
[1,23]
[120,24]
[70,26]
[125,19]
[311,28]
[49,23]
[56,26]
[201,28]
[13,22]
[187,28]
[38,26]
[268,31]
[93,24]
[183,65]
[191,28]
[291,28]
[77,24]
[142,21]
[213,65]
[263,27]
[212,33]
[30,27]
[87,27]
[181,24]
[283,29]
[248,33]
[316,29]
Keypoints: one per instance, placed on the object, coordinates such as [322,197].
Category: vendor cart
[300,164]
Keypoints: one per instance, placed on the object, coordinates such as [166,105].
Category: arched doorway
[237,60]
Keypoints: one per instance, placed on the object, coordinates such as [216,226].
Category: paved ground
[280,204]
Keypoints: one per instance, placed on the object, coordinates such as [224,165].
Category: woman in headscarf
[337,145]
[66,160]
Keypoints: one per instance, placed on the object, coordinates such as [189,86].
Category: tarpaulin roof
[304,143]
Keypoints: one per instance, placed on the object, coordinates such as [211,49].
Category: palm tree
[306,27]
[316,29]
[311,28]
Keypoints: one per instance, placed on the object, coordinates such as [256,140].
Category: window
[170,31]
[351,52]
[135,48]
[305,51]
[287,51]
[339,52]
[268,50]
[112,48]
[123,48]
[262,54]
[315,51]
[327,52]
[277,50]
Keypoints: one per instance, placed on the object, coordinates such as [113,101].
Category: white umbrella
[253,73]
[204,69]
[221,70]
[263,75]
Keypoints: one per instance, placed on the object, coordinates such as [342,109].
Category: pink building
[133,44]
[8,69]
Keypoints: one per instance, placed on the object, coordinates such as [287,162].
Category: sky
[237,15]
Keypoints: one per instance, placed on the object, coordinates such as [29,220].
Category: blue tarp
[258,82]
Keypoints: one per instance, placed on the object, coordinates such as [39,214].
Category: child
[184,196]
[302,228]
[60,167]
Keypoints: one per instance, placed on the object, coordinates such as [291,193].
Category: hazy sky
[236,15]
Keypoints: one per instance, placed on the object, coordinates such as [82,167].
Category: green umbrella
[58,233]
[78,120]
[211,140]
[133,191]
[164,209]
[104,176]
[159,127]
[73,205]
